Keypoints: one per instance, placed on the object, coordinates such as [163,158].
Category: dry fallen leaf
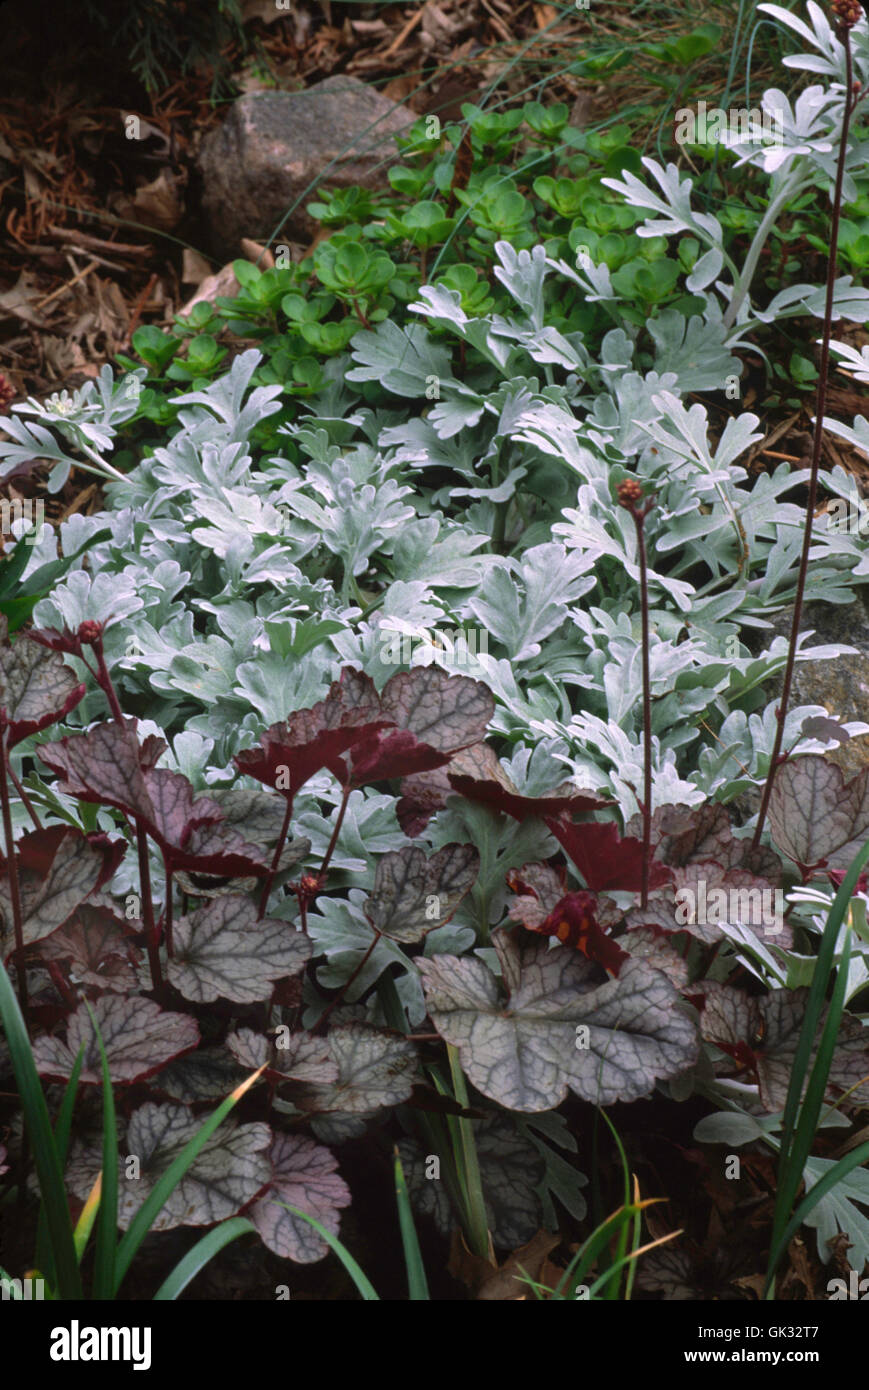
[504,1283]
[157,203]
[224,282]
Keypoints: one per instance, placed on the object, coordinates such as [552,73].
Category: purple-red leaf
[107,766]
[477,774]
[304,1175]
[604,859]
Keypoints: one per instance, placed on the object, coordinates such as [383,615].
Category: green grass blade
[107,1225]
[157,1198]
[789,1174]
[203,1251]
[820,1189]
[363,1284]
[62,1129]
[45,1155]
[469,1167]
[417,1284]
[612,1287]
[84,1225]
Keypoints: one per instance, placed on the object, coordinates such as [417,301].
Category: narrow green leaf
[417,1284]
[202,1252]
[107,1227]
[62,1129]
[157,1198]
[46,1159]
[362,1283]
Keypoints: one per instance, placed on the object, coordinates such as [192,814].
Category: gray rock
[273,145]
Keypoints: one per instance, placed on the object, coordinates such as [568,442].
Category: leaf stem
[811,501]
[12,871]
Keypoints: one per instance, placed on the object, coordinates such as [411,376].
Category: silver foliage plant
[236,584]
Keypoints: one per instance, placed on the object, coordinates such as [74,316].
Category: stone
[273,147]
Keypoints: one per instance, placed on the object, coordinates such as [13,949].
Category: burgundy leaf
[574,921]
[477,774]
[290,752]
[107,766]
[392,753]
[604,859]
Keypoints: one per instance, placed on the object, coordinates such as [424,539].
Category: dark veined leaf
[304,1175]
[36,687]
[58,868]
[816,817]
[649,945]
[511,1169]
[230,1171]
[106,765]
[223,951]
[448,712]
[412,895]
[709,898]
[762,1033]
[375,1069]
[559,1027]
[300,1057]
[209,1073]
[139,1038]
[95,945]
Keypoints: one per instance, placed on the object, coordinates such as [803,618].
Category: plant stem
[821,401]
[336,830]
[346,985]
[788,190]
[151,934]
[629,493]
[12,871]
[167,914]
[276,858]
[25,799]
